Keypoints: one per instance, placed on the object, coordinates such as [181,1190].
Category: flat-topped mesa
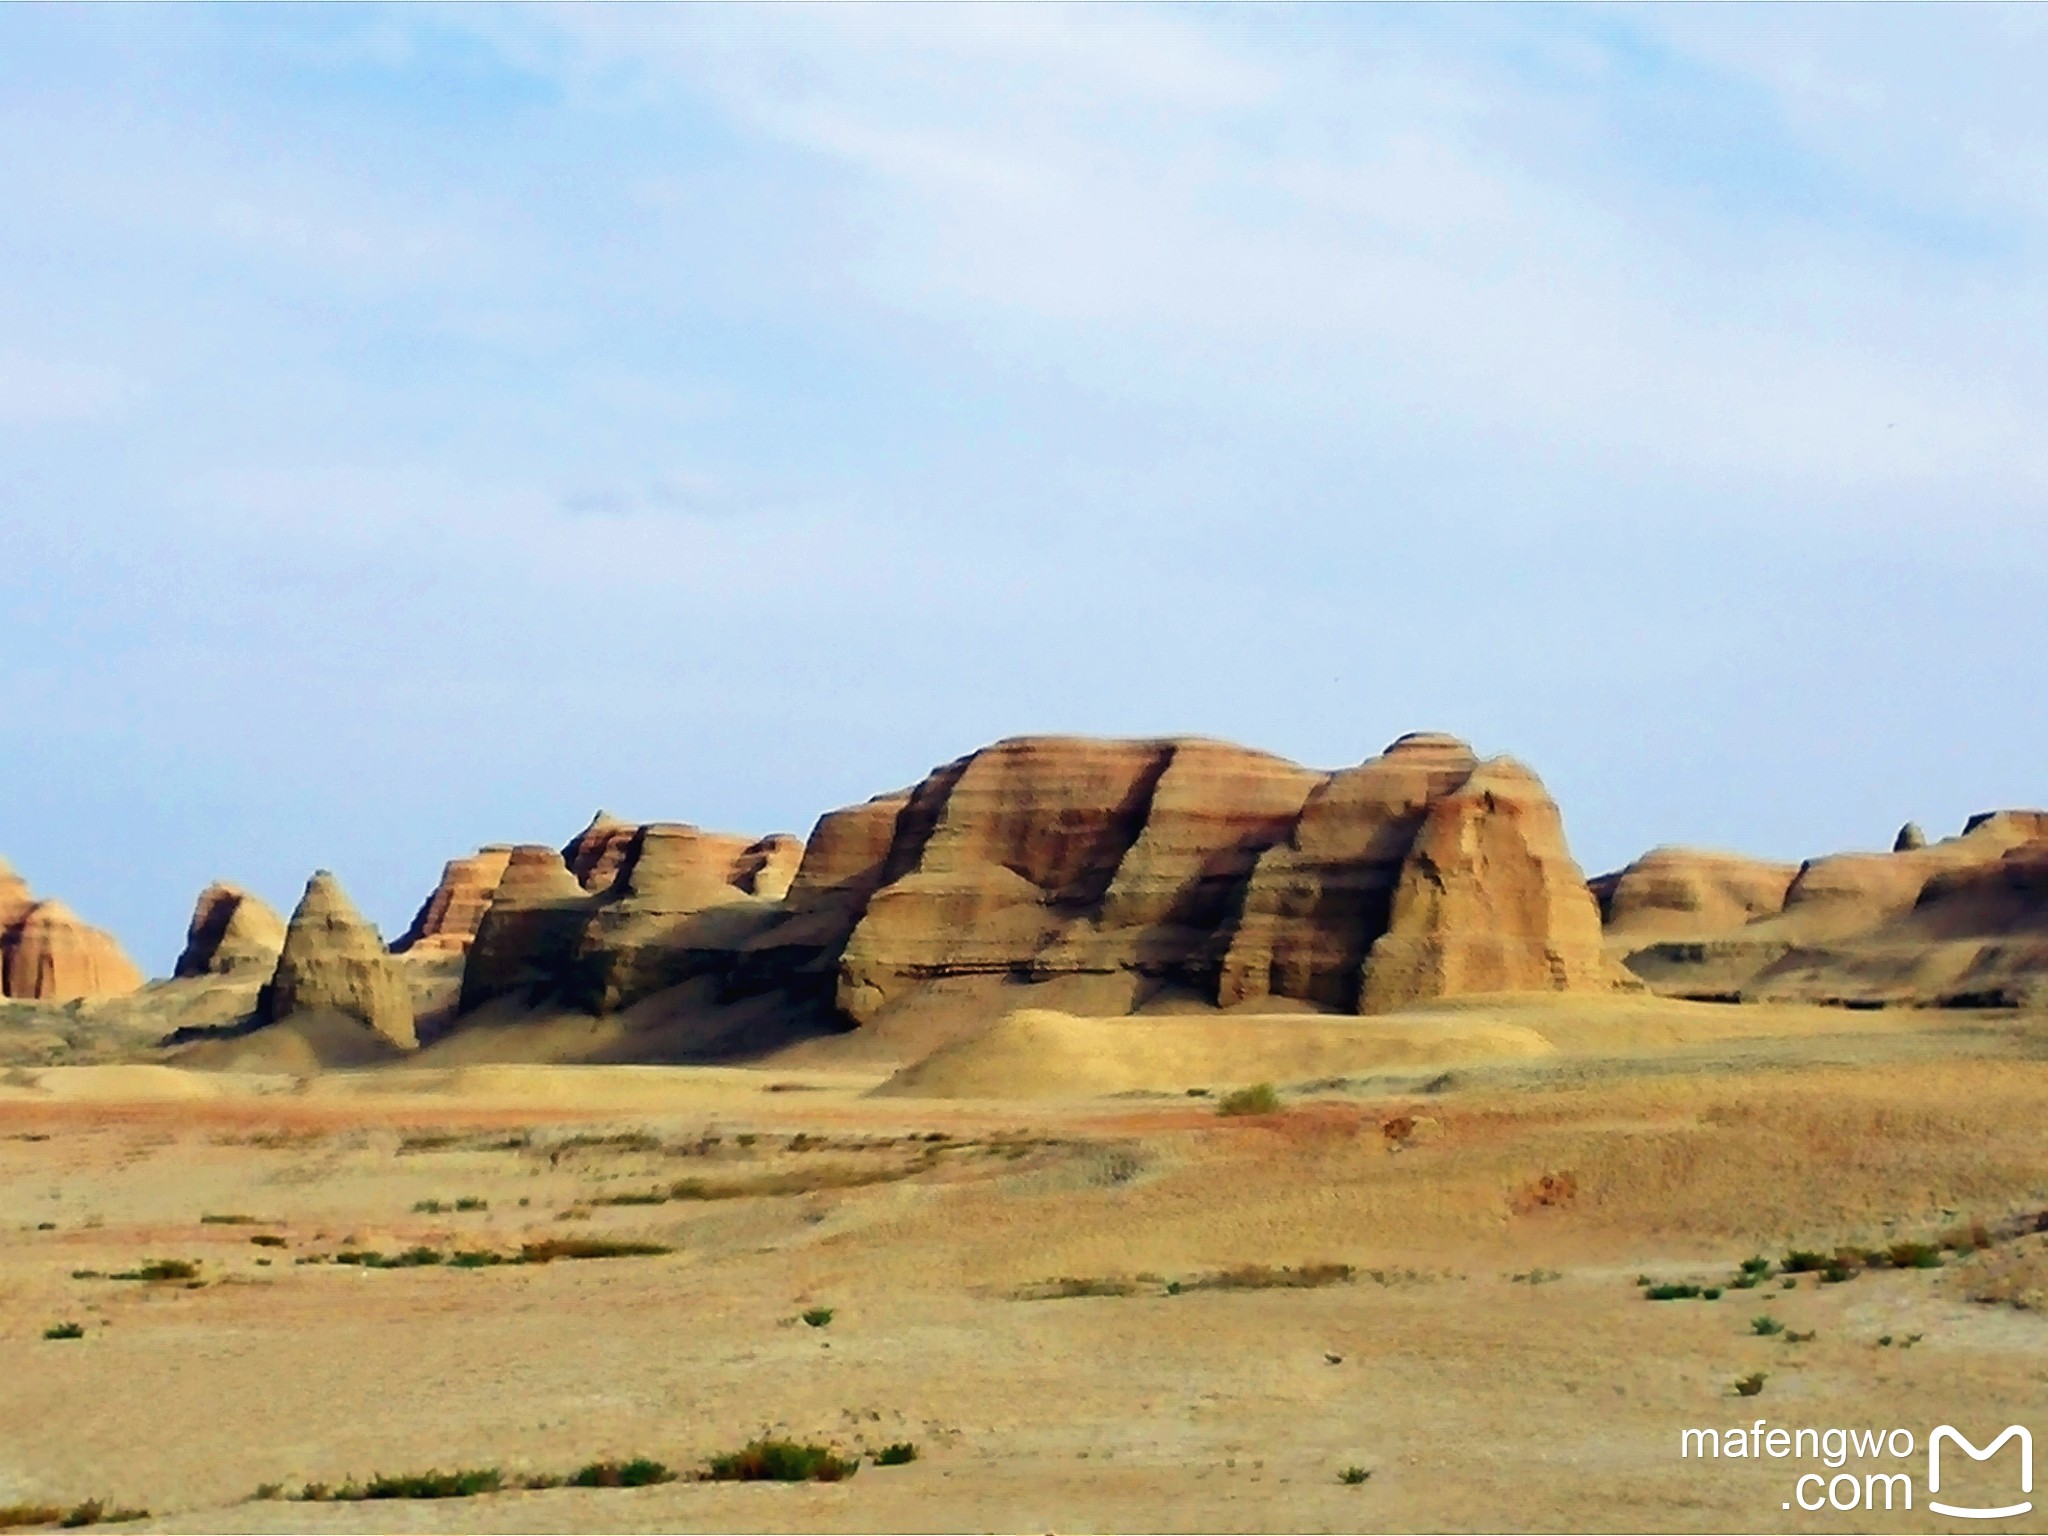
[677,908]
[50,955]
[527,937]
[333,961]
[1686,893]
[447,920]
[232,933]
[1489,900]
[1317,901]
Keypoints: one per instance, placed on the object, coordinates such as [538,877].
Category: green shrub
[65,1331]
[160,1269]
[1804,1261]
[1914,1255]
[1352,1476]
[428,1207]
[472,1203]
[409,1485]
[267,1240]
[549,1249]
[476,1258]
[640,1472]
[1672,1292]
[899,1454]
[95,1512]
[1765,1326]
[781,1461]
[1259,1099]
[818,1317]
[1757,1265]
[1710,1293]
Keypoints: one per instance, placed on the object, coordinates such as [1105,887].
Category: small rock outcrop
[1489,900]
[334,962]
[53,956]
[232,933]
[597,853]
[1910,837]
[447,920]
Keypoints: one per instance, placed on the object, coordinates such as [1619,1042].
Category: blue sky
[419,428]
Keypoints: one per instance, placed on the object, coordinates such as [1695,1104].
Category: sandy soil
[1491,1361]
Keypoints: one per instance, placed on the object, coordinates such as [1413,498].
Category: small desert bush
[1069,1286]
[899,1454]
[65,1331]
[476,1258]
[641,1197]
[267,1240]
[1914,1255]
[640,1472]
[1765,1326]
[1671,1292]
[472,1203]
[428,1207]
[1259,1099]
[1264,1277]
[1804,1261]
[549,1249]
[818,1317]
[95,1512]
[408,1485]
[160,1269]
[227,1221]
[781,1461]
[1751,1384]
[1351,1477]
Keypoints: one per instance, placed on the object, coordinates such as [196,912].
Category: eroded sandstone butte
[447,920]
[49,954]
[333,962]
[1143,870]
[232,933]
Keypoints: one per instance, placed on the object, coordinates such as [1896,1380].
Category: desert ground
[1051,1265]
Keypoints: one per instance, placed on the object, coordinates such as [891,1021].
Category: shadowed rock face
[47,954]
[232,933]
[334,962]
[1317,901]
[1489,900]
[528,935]
[447,920]
[597,853]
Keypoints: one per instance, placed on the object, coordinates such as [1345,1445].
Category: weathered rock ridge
[48,954]
[1139,872]
[1958,922]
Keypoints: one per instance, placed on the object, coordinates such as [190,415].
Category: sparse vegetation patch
[1259,1099]
[781,1461]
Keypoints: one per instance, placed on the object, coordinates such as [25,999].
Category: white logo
[1948,1432]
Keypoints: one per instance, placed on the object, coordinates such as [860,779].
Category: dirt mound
[1040,1054]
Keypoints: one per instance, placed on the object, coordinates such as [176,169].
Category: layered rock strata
[232,933]
[447,920]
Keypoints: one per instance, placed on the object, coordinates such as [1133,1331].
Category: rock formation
[1048,856]
[655,928]
[231,933]
[51,956]
[597,853]
[1689,893]
[447,920]
[1489,900]
[1910,837]
[48,955]
[1959,921]
[334,962]
[1317,901]
[528,936]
